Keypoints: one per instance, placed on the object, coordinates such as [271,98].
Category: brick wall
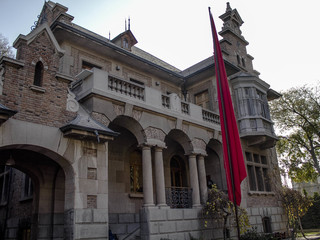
[45,105]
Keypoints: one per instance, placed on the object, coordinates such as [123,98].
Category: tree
[297,116]
[220,208]
[5,49]
[295,205]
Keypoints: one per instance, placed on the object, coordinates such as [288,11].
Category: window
[266,225]
[202,99]
[38,74]
[238,59]
[243,62]
[249,101]
[5,172]
[27,192]
[262,103]
[89,66]
[257,168]
[125,43]
[136,185]
[136,81]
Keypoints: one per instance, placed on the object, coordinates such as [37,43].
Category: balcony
[98,82]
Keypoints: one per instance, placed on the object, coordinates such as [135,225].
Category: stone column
[194,180]
[202,179]
[147,176]
[159,172]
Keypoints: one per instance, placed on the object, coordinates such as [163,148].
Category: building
[99,135]
[309,187]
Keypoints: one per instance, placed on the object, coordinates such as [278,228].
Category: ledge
[135,195]
[37,89]
[260,193]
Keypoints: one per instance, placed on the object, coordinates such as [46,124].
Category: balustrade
[126,88]
[210,116]
[185,108]
[179,197]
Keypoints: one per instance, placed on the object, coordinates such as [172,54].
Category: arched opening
[136,183]
[178,172]
[38,74]
[214,165]
[33,190]
[125,196]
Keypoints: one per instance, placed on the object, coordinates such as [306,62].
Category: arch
[181,138]
[131,125]
[178,172]
[214,164]
[38,74]
[49,172]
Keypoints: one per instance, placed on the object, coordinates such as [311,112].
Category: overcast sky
[283,35]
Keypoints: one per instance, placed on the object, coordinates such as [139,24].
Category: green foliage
[252,234]
[297,116]
[312,218]
[219,208]
[295,205]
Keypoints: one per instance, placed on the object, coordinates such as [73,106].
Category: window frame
[258,170]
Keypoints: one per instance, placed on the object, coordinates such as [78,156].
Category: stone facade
[116,140]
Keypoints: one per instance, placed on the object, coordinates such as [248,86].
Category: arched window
[136,172]
[178,172]
[38,74]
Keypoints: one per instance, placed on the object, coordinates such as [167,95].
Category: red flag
[232,152]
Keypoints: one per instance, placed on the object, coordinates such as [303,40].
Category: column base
[148,205]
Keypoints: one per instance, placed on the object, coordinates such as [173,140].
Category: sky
[283,35]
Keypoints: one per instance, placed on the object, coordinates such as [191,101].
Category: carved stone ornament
[155,133]
[118,109]
[198,144]
[72,103]
[136,115]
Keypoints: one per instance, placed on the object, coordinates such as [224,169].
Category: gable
[35,33]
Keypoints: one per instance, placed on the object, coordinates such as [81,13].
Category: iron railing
[179,197]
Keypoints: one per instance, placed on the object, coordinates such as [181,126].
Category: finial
[228,7]
[125,24]
[129,23]
[109,35]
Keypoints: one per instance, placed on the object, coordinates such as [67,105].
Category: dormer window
[38,74]
[125,43]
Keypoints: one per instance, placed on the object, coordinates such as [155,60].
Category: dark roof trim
[114,47]
[87,129]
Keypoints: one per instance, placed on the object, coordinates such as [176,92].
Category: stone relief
[136,115]
[118,109]
[198,144]
[155,133]
[72,103]
[101,118]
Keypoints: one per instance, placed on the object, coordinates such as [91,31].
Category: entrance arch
[38,186]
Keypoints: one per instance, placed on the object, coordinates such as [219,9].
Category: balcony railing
[209,116]
[165,101]
[179,197]
[185,108]
[126,88]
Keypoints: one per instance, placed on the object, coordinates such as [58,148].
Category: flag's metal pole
[225,123]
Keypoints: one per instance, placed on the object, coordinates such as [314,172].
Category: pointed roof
[32,36]
[232,23]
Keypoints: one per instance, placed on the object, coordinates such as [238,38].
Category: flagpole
[227,135]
